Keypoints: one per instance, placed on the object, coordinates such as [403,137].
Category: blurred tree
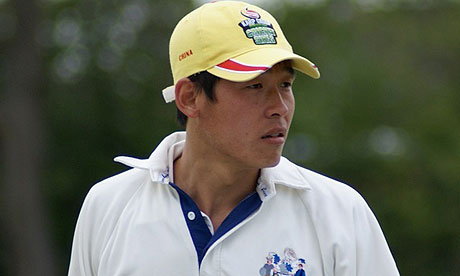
[26,231]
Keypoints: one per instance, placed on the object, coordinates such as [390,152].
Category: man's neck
[216,187]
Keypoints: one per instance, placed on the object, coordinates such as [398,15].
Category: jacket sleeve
[82,251]
[351,240]
[373,256]
[98,217]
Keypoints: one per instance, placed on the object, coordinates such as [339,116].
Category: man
[216,199]
[300,271]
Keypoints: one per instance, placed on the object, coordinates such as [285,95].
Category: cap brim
[249,65]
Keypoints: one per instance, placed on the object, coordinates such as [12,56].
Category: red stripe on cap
[239,67]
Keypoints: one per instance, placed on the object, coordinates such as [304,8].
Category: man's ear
[186,97]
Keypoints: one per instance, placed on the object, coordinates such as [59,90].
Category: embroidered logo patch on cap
[259,30]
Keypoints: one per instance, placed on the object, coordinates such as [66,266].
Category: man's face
[248,123]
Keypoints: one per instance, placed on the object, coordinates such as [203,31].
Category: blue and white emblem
[290,264]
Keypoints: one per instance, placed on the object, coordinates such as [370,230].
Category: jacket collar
[160,162]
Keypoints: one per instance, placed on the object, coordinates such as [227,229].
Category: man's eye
[286,84]
[255,86]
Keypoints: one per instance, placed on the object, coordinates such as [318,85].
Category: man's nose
[277,104]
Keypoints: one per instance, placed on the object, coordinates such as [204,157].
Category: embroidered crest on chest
[290,264]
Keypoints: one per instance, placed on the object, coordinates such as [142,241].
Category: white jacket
[132,224]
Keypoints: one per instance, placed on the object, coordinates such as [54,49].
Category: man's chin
[272,163]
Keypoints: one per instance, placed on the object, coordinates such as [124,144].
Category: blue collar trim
[199,231]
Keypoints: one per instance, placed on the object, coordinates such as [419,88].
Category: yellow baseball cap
[232,40]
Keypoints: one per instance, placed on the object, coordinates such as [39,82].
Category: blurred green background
[81,80]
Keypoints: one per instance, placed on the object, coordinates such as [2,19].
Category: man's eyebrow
[290,70]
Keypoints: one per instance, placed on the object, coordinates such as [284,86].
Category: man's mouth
[279,134]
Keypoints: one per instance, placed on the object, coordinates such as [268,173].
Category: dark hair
[204,81]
